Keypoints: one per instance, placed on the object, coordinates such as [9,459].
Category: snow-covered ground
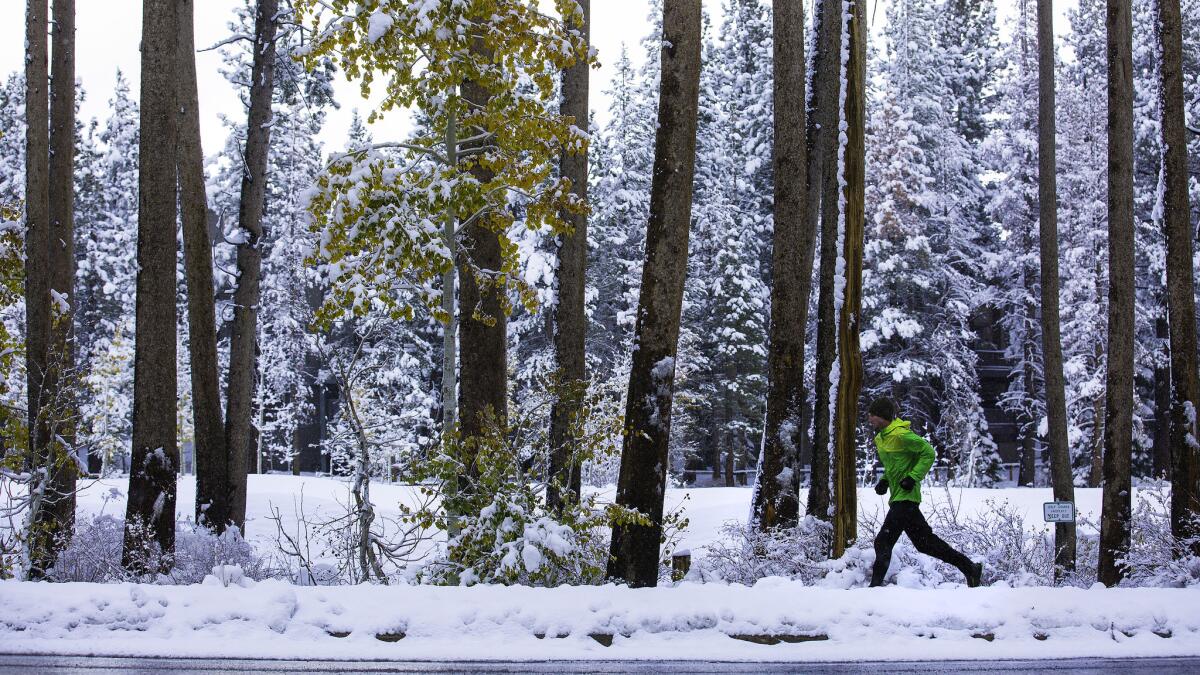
[233,617]
[706,509]
[688,621]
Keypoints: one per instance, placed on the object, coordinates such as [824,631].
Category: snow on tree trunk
[823,143]
[150,512]
[1118,408]
[570,320]
[1181,298]
[644,457]
[240,434]
[777,486]
[211,461]
[849,298]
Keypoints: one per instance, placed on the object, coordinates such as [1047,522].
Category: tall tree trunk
[643,476]
[450,331]
[62,267]
[54,519]
[714,444]
[570,321]
[822,139]
[1026,474]
[1118,407]
[777,490]
[730,436]
[483,394]
[850,365]
[37,219]
[150,511]
[1161,448]
[1185,385]
[1096,468]
[240,435]
[211,460]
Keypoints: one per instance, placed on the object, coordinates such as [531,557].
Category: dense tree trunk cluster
[915,249]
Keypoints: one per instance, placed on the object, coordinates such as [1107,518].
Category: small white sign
[1058,512]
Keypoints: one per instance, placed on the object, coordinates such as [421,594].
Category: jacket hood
[896,425]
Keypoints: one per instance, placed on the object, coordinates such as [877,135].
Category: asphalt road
[62,665]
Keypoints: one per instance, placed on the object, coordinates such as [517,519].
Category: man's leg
[889,534]
[923,538]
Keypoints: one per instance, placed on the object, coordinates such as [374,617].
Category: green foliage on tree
[382,209]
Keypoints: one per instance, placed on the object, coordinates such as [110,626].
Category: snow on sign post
[1058,512]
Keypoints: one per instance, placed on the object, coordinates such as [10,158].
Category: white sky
[108,33]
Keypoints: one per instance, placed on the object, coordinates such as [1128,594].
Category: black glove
[881,487]
[907,483]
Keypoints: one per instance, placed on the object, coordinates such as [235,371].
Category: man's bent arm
[926,456]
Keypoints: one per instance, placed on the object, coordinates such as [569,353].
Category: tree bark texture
[1116,504]
[449,293]
[1185,385]
[212,462]
[54,432]
[1062,479]
[483,371]
[150,512]
[776,496]
[570,321]
[822,139]
[729,436]
[240,436]
[850,363]
[1160,450]
[37,217]
[642,480]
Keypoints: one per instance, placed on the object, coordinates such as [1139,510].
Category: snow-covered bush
[492,495]
[94,554]
[499,528]
[1014,551]
[744,555]
[1156,556]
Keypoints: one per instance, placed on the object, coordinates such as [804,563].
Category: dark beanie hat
[883,407]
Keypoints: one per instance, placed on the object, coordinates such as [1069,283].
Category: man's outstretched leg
[923,538]
[889,534]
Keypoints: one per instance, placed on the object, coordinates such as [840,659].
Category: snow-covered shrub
[1156,556]
[94,554]
[498,525]
[198,551]
[744,555]
[492,494]
[1014,551]
[353,545]
[1011,549]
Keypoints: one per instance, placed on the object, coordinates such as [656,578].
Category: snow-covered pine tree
[12,303]
[723,341]
[745,62]
[1083,237]
[106,281]
[285,381]
[623,158]
[1013,206]
[921,275]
